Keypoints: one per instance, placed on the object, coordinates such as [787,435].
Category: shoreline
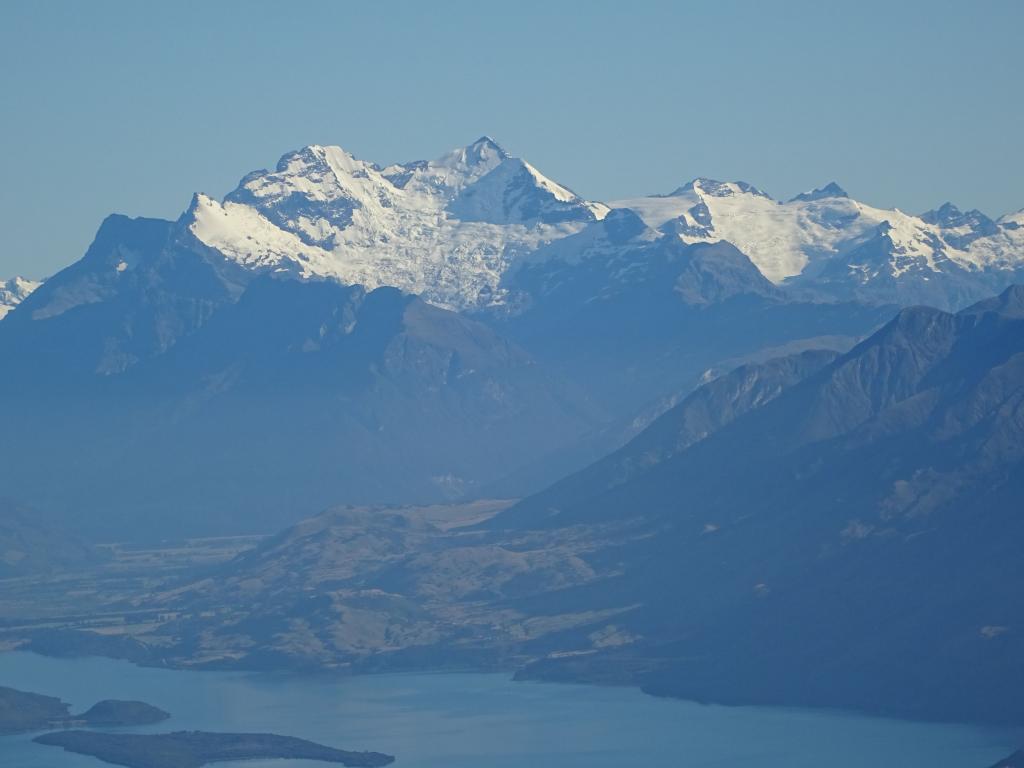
[424,716]
[333,674]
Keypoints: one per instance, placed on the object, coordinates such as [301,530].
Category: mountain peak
[622,225]
[948,215]
[484,152]
[946,209]
[198,200]
[829,190]
[311,154]
[715,188]
[485,147]
[515,192]
[960,228]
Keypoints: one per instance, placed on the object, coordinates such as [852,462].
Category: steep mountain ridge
[848,543]
[142,285]
[923,363]
[701,414]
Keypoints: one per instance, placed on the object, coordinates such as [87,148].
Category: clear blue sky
[132,106]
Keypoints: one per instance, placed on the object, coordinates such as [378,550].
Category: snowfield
[788,239]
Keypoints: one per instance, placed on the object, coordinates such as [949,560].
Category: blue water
[487,721]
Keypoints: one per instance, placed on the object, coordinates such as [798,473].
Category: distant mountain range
[334,330]
[454,229]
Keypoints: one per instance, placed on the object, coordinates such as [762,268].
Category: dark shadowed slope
[295,395]
[702,413]
[850,543]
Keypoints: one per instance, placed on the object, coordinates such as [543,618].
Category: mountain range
[452,230]
[827,244]
[338,331]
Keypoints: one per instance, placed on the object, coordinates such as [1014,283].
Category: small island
[112,712]
[193,749]
[22,711]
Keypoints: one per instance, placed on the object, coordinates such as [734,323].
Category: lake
[464,720]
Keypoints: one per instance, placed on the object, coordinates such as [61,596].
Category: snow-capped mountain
[13,292]
[826,242]
[457,230]
[446,229]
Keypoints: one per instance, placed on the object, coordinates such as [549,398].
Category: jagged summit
[447,229]
[829,190]
[948,215]
[516,192]
[450,173]
[484,148]
[715,188]
[961,228]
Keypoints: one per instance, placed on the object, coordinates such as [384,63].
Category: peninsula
[193,749]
